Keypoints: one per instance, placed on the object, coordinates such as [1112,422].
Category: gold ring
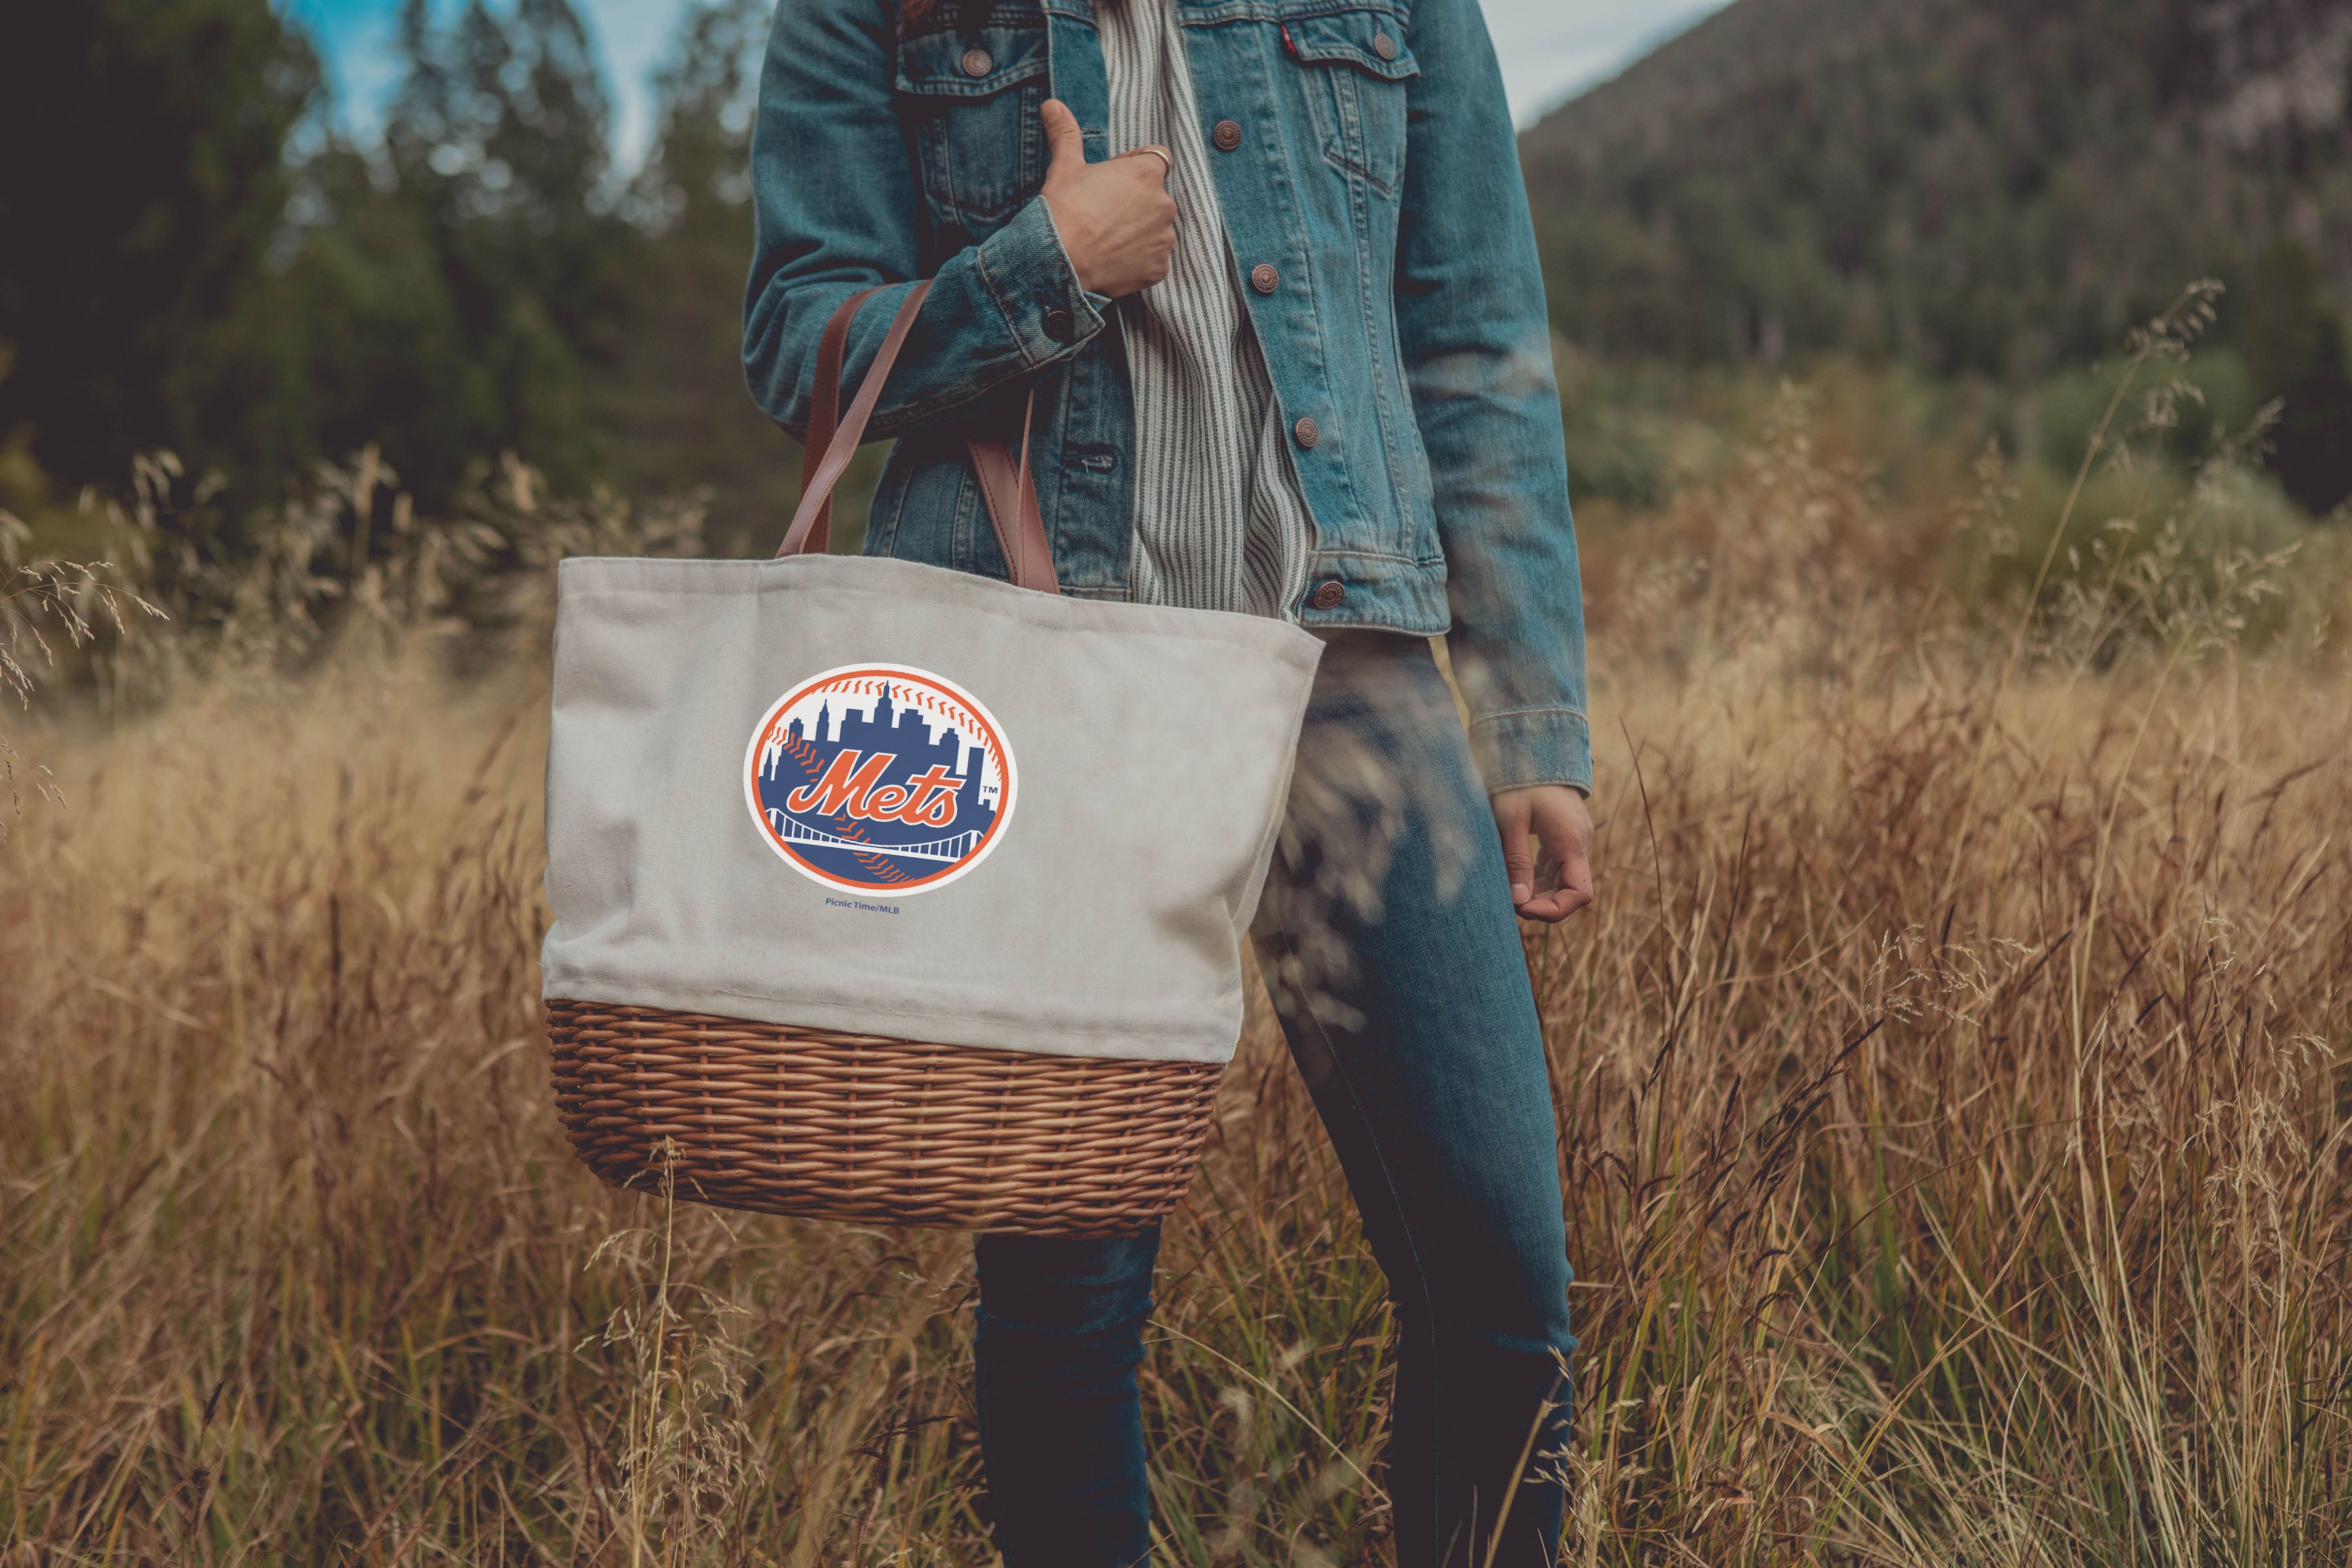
[1167,163]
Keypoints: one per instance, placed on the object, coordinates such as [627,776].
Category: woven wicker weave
[852,1127]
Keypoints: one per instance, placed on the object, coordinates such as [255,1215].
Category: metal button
[1331,594]
[1308,431]
[1227,135]
[977,62]
[1265,278]
[1059,325]
[1382,45]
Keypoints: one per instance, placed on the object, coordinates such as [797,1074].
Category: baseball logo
[880,778]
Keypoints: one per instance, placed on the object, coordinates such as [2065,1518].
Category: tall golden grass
[1951,1081]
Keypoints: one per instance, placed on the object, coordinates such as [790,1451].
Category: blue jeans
[1388,940]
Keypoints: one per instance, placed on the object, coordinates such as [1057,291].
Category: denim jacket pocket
[970,103]
[1357,67]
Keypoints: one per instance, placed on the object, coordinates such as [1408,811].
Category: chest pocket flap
[960,65]
[1356,69]
[1371,41]
[970,103]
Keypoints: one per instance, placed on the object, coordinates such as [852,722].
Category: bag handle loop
[824,412]
[1005,483]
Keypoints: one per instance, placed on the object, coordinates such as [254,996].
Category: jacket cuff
[1028,273]
[1533,746]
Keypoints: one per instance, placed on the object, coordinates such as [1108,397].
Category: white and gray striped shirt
[1220,523]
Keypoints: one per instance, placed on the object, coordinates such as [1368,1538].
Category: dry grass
[1952,1083]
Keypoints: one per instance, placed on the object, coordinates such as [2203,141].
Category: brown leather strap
[1012,495]
[825,409]
[1005,484]
[816,490]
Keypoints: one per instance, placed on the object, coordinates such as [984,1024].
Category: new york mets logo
[880,778]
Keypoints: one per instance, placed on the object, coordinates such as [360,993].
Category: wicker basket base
[853,1127]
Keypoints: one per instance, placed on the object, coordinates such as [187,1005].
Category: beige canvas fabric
[1146,756]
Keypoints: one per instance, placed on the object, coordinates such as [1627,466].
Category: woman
[1268,266]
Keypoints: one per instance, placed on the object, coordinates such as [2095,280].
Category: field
[1956,1117]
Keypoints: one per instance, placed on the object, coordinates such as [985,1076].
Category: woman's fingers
[1554,817]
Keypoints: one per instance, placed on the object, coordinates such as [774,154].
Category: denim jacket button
[1059,326]
[1331,594]
[1227,135]
[978,62]
[1265,278]
[1382,45]
[1307,432]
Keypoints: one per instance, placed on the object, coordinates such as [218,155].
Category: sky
[1549,48]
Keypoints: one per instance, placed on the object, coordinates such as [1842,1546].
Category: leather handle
[1005,484]
[816,489]
[825,412]
[1012,495]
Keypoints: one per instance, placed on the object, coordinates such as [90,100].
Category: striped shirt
[1220,522]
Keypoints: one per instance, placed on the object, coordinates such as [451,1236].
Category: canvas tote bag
[892,893]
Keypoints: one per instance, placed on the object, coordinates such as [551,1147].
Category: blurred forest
[1958,202]
[200,260]
[1975,189]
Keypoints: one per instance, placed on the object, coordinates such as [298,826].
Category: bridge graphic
[948,849]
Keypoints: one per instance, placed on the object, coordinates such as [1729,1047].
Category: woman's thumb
[1065,143]
[1511,816]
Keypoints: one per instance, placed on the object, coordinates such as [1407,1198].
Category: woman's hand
[1116,220]
[1557,818]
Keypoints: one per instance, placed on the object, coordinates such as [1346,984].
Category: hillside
[1997,186]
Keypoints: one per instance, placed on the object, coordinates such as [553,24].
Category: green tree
[143,185]
[674,400]
[371,347]
[497,145]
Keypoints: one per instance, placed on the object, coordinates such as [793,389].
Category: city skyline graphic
[880,779]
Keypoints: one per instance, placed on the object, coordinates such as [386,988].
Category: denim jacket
[1370,182]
